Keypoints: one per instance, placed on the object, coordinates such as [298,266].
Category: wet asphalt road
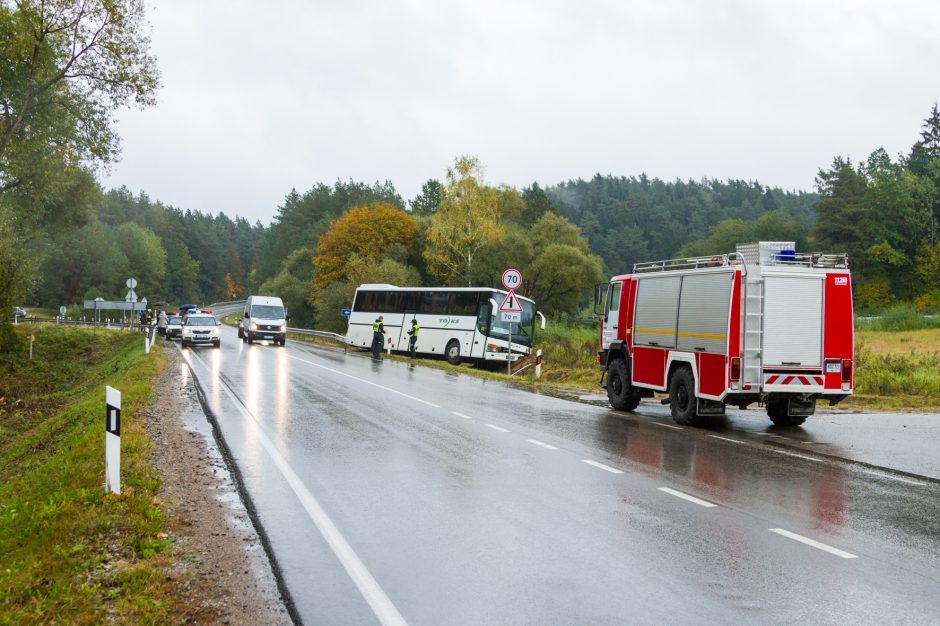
[404,494]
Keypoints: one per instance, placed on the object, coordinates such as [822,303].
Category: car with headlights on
[200,329]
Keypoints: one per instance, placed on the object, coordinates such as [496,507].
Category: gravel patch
[214,538]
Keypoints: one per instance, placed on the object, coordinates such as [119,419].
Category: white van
[265,319]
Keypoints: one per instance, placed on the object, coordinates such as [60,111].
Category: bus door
[482,329]
[405,327]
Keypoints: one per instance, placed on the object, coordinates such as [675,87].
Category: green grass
[71,553]
[898,318]
[897,369]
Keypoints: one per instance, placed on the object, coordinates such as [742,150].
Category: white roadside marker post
[112,441]
[538,364]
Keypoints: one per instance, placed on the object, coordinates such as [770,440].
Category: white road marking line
[814,543]
[800,456]
[362,380]
[686,496]
[909,481]
[666,425]
[495,427]
[612,470]
[466,417]
[726,439]
[380,603]
[542,445]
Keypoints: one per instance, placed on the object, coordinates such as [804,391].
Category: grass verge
[71,553]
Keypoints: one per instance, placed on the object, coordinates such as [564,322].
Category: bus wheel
[620,392]
[453,352]
[682,398]
[777,412]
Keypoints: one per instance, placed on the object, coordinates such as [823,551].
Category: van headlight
[283,328]
[254,327]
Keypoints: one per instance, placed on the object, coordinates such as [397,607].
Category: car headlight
[254,327]
[283,328]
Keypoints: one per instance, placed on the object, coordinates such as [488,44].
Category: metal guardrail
[318,333]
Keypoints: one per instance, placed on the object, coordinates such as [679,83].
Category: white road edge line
[466,417]
[495,427]
[380,603]
[909,481]
[363,380]
[612,470]
[541,445]
[813,543]
[666,425]
[725,439]
[686,496]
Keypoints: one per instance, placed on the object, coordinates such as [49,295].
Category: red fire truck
[763,324]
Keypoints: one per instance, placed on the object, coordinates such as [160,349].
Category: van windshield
[267,312]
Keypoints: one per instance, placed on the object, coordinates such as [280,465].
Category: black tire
[622,395]
[452,352]
[217,344]
[682,401]
[777,412]
[185,344]
[249,338]
[241,333]
[283,341]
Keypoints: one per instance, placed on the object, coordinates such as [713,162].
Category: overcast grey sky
[262,97]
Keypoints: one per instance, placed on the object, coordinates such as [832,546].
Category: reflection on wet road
[398,493]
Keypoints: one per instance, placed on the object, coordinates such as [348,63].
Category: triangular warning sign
[511,303]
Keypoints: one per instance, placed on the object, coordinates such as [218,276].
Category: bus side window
[483,319]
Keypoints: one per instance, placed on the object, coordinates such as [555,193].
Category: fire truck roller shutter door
[793,321]
[703,312]
[657,304]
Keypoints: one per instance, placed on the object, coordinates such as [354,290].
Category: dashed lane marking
[812,542]
[381,605]
[541,445]
[466,417]
[607,468]
[686,496]
[495,427]
[667,425]
[800,456]
[726,439]
[363,380]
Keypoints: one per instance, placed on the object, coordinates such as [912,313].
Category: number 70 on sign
[512,278]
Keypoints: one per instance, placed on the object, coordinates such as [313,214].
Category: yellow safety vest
[376,326]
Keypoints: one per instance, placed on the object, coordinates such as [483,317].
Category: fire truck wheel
[777,412]
[620,392]
[682,398]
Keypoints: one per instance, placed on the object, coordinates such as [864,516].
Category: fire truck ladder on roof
[753,332]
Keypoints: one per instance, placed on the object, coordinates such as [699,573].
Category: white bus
[458,323]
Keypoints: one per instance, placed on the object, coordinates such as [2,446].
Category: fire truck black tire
[682,401]
[777,412]
[452,352]
[620,392]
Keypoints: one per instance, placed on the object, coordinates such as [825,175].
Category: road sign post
[112,441]
[511,309]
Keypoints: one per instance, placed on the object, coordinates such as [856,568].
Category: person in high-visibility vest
[413,338]
[378,338]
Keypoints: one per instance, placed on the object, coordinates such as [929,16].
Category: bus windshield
[521,332]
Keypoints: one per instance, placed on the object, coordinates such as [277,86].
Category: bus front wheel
[453,352]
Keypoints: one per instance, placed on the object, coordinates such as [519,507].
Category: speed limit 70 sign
[512,278]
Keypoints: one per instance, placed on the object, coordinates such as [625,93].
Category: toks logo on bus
[842,280]
[447,321]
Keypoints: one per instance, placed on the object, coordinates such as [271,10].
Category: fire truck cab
[763,324]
